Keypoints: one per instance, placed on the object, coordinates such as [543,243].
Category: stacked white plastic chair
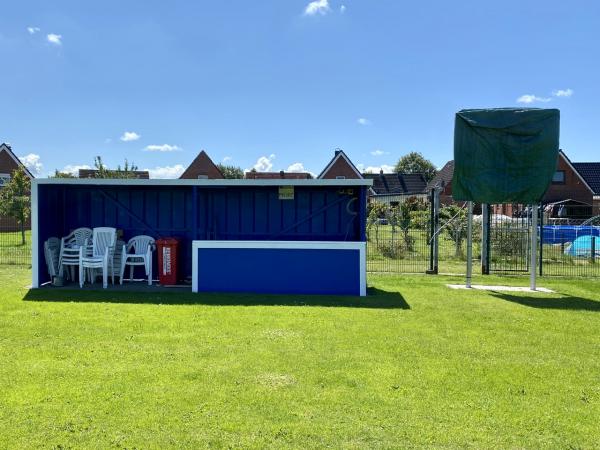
[69,249]
[100,255]
[142,247]
[51,255]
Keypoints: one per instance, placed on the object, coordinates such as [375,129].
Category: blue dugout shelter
[279,236]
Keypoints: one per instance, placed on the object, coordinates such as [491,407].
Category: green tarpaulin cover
[505,155]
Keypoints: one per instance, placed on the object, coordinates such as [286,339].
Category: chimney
[282,174]
[381,172]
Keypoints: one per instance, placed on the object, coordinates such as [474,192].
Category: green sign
[286,192]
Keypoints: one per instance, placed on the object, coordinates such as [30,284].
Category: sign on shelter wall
[286,192]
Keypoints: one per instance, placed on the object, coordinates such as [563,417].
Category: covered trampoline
[504,155]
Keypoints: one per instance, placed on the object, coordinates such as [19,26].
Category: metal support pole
[534,242]
[469,243]
[436,228]
[541,256]
[432,231]
[485,238]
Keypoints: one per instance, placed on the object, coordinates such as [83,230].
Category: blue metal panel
[317,213]
[279,271]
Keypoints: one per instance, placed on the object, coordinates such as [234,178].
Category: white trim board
[35,279]
[200,182]
[322,245]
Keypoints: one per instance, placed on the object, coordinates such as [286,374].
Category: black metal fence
[400,238]
[399,235]
[568,239]
[15,242]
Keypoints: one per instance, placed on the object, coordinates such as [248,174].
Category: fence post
[541,259]
[593,249]
[485,239]
[433,240]
[469,243]
[534,244]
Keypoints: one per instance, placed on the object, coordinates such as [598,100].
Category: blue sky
[282,83]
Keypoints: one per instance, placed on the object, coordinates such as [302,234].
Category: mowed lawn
[413,365]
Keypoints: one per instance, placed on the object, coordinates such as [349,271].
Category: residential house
[340,167]
[9,163]
[443,179]
[202,167]
[91,173]
[393,188]
[590,172]
[281,175]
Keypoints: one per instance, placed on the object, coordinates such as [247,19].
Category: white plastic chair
[103,246]
[69,249]
[51,255]
[142,247]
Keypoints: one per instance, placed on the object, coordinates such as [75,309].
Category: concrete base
[481,287]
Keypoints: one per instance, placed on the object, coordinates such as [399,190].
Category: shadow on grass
[376,298]
[566,302]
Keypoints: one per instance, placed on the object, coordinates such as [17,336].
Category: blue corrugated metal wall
[317,213]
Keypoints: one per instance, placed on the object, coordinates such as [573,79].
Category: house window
[558,177]
[203,177]
[340,177]
[4,179]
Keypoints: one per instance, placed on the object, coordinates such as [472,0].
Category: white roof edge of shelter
[201,182]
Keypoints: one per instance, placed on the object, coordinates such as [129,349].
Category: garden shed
[305,213]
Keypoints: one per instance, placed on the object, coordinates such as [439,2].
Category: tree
[14,199]
[414,162]
[128,171]
[231,172]
[454,222]
[58,174]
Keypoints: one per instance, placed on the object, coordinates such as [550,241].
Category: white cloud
[74,169]
[530,98]
[130,136]
[563,92]
[379,152]
[161,148]
[317,7]
[55,39]
[296,167]
[375,169]
[33,30]
[363,121]
[343,9]
[32,162]
[264,163]
[227,158]
[166,171]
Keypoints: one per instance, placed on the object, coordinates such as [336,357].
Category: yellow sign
[286,192]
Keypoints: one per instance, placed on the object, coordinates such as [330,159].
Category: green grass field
[413,365]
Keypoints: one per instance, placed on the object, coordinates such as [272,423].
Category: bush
[420,220]
[507,240]
[390,249]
